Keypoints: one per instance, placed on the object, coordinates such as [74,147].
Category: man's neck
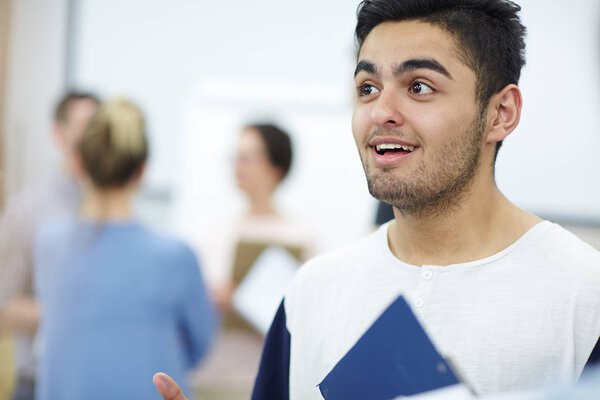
[483,224]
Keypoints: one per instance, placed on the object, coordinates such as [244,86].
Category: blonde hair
[114,146]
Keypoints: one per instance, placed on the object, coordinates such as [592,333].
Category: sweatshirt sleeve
[272,380]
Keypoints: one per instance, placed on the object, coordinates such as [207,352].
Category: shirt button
[419,302]
[427,275]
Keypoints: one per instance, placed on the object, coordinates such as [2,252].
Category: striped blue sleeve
[272,381]
[594,359]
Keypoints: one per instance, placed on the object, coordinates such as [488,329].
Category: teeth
[393,146]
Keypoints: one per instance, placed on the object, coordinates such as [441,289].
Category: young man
[514,301]
[60,194]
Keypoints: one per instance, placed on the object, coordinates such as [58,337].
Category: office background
[201,69]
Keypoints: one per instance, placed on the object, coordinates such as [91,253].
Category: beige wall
[35,79]
[6,364]
[4,33]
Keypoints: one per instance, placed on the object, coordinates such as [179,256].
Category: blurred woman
[262,162]
[119,302]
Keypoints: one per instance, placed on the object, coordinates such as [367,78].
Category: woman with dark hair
[118,300]
[262,161]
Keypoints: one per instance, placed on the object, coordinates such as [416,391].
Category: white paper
[258,296]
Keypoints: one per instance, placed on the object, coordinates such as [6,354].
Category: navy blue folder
[394,357]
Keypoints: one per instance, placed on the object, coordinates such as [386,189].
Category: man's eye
[420,88]
[366,89]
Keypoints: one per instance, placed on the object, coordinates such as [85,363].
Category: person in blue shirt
[117,299]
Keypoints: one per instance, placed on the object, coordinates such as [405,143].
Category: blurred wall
[6,359]
[4,39]
[35,79]
[6,350]
[156,50]
[550,164]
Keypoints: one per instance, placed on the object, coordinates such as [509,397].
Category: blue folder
[394,357]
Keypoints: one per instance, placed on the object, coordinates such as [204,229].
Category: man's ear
[505,112]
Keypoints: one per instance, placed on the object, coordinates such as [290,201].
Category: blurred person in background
[262,162]
[117,300]
[57,195]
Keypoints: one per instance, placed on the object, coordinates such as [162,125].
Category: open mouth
[392,148]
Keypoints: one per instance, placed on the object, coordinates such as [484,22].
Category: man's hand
[167,387]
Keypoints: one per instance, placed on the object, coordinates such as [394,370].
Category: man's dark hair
[278,145]
[61,112]
[489,34]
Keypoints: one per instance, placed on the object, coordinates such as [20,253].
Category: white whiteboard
[325,190]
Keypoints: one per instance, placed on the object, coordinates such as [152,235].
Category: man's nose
[386,111]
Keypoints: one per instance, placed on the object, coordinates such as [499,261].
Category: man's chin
[401,197]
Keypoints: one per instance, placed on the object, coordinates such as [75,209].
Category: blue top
[119,303]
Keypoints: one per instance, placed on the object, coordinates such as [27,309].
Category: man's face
[79,115]
[68,133]
[416,121]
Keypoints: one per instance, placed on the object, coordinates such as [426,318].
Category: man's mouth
[392,148]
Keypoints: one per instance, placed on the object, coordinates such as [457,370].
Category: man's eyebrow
[419,63]
[368,67]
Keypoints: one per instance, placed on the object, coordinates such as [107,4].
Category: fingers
[167,387]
